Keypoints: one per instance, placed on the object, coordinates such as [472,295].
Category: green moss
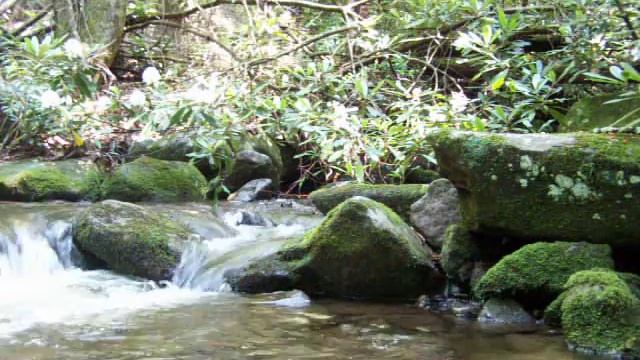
[38,181]
[593,277]
[536,273]
[421,175]
[600,314]
[397,197]
[545,187]
[148,179]
[364,249]
[459,252]
[130,239]
[593,112]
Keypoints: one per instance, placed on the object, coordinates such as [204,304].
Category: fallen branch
[185,28]
[301,45]
[29,23]
[293,3]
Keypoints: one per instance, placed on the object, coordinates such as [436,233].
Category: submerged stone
[506,312]
[535,274]
[130,239]
[572,187]
[32,180]
[397,197]
[601,111]
[153,180]
[435,211]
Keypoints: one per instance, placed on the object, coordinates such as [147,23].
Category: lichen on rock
[570,187]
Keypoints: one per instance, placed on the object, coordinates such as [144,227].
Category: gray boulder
[506,312]
[435,211]
[258,189]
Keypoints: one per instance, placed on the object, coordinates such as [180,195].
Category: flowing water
[50,308]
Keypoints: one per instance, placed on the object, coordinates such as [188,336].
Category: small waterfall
[203,264]
[35,248]
[42,270]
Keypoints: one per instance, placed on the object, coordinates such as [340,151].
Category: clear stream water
[52,309]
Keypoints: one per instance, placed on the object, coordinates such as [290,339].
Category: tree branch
[294,3]
[29,23]
[301,45]
[185,28]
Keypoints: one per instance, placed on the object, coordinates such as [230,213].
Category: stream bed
[52,308]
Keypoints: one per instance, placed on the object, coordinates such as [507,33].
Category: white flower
[437,117]
[137,98]
[459,102]
[102,104]
[74,48]
[342,115]
[50,99]
[285,19]
[198,94]
[151,76]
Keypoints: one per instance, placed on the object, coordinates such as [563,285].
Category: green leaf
[497,81]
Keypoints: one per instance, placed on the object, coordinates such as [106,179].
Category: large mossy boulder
[601,111]
[33,180]
[130,239]
[153,180]
[571,187]
[361,250]
[397,197]
[599,314]
[536,273]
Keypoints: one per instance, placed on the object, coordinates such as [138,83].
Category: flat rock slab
[573,187]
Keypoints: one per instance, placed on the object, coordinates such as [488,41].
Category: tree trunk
[95,22]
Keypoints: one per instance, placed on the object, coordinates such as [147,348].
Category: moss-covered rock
[361,250]
[535,274]
[600,314]
[599,112]
[40,180]
[553,312]
[459,254]
[148,179]
[130,239]
[365,250]
[570,187]
[398,197]
[420,175]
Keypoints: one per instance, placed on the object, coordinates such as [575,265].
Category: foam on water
[42,283]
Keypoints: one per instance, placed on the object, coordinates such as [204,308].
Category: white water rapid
[42,281]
